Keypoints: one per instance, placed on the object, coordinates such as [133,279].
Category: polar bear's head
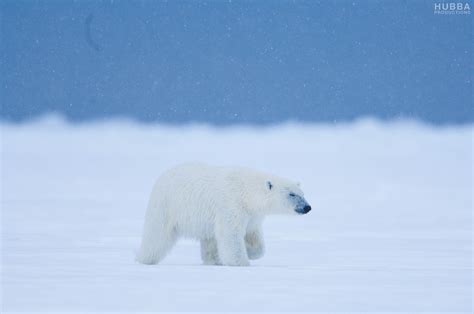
[285,197]
[263,193]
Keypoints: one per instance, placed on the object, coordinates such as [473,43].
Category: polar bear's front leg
[209,252]
[230,232]
[254,243]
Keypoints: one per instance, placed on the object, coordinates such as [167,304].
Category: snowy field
[390,230]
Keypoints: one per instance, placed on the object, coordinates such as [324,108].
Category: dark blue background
[235,62]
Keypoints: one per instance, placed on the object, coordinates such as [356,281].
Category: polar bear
[223,207]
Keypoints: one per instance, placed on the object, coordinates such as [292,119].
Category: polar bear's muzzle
[302,207]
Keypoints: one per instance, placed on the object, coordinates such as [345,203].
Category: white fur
[223,207]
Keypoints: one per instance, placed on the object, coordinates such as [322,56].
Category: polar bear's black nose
[303,210]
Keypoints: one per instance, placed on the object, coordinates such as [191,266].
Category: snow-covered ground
[390,230]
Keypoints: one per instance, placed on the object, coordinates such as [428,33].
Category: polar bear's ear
[269,185]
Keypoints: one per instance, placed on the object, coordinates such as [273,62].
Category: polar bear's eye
[270,185]
[292,194]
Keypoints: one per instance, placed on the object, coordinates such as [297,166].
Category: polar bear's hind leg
[154,252]
[158,239]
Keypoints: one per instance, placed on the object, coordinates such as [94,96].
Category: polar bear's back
[191,176]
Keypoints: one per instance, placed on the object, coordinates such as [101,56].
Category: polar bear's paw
[209,254]
[255,252]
